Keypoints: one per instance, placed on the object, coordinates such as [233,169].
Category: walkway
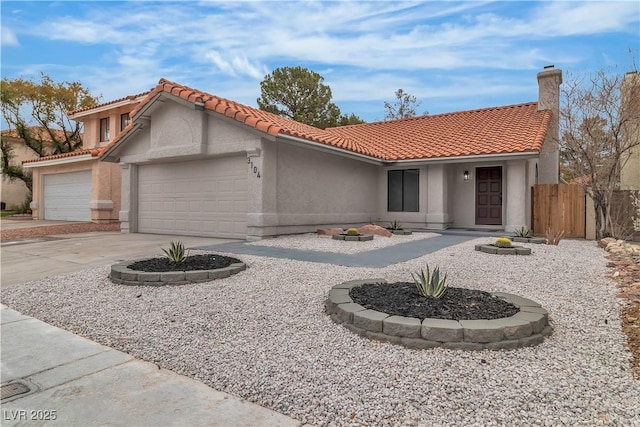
[377,258]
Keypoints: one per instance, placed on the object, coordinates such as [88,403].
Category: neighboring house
[75,186]
[15,193]
[196,164]
[630,98]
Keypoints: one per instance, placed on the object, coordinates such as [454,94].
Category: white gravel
[315,242]
[262,335]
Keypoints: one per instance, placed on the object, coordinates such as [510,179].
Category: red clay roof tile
[498,130]
[130,97]
[95,152]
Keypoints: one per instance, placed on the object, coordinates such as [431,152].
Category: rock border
[121,274]
[526,328]
[348,238]
[401,232]
[514,250]
[534,240]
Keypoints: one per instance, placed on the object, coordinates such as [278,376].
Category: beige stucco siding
[16,193]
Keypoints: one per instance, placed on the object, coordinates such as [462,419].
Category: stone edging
[359,238]
[534,240]
[514,250]
[121,274]
[401,232]
[526,328]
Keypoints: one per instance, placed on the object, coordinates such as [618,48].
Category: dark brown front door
[489,196]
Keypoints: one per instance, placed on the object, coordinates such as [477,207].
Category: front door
[489,196]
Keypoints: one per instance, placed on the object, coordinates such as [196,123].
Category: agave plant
[430,284]
[522,232]
[395,225]
[176,253]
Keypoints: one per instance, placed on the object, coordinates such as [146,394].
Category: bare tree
[405,106]
[600,127]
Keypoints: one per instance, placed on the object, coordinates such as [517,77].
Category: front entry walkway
[377,258]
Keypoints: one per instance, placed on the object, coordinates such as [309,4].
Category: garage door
[197,198]
[67,196]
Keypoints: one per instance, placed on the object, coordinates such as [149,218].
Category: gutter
[61,161]
[465,159]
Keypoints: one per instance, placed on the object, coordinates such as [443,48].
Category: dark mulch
[403,299]
[193,262]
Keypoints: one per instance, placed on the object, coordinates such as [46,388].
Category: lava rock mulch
[190,263]
[403,299]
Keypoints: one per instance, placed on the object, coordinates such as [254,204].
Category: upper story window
[124,121]
[402,190]
[104,129]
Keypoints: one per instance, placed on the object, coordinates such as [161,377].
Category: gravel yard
[262,335]
[322,243]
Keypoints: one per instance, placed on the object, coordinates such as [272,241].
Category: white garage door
[67,196]
[196,198]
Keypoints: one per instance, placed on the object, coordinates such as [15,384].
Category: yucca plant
[522,232]
[395,225]
[554,236]
[430,284]
[176,253]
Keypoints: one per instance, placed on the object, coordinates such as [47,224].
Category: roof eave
[328,149]
[466,159]
[110,154]
[60,161]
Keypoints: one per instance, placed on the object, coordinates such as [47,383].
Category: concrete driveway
[40,257]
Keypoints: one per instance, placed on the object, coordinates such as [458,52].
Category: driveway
[39,257]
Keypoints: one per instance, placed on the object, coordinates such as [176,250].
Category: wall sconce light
[466,175]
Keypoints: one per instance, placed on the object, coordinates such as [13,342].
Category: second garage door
[67,196]
[196,198]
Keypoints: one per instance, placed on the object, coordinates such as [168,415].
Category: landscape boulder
[374,229]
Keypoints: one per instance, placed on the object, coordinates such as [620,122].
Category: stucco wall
[91,125]
[317,189]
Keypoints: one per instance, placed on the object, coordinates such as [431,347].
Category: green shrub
[353,232]
[430,284]
[176,253]
[503,242]
[522,232]
[395,225]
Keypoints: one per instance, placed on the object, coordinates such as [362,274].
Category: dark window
[104,129]
[402,190]
[124,121]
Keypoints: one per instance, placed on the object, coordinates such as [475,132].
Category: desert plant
[554,236]
[430,284]
[176,253]
[522,232]
[503,242]
[353,232]
[395,225]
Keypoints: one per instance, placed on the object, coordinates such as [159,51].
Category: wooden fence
[558,207]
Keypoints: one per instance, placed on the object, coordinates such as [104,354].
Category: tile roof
[499,130]
[37,131]
[104,104]
[95,152]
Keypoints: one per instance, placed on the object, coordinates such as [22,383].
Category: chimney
[549,81]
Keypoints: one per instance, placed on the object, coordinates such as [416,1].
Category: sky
[452,56]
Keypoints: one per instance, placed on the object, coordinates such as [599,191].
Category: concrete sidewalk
[73,381]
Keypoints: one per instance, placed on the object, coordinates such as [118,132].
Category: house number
[252,167]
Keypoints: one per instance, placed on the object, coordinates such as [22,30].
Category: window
[402,190]
[124,121]
[104,129]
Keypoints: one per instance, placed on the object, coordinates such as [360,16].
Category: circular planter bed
[468,320]
[493,249]
[353,238]
[161,271]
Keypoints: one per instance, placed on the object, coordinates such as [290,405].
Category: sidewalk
[73,381]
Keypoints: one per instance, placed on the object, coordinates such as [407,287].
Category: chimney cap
[547,67]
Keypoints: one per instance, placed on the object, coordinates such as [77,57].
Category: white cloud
[9,38]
